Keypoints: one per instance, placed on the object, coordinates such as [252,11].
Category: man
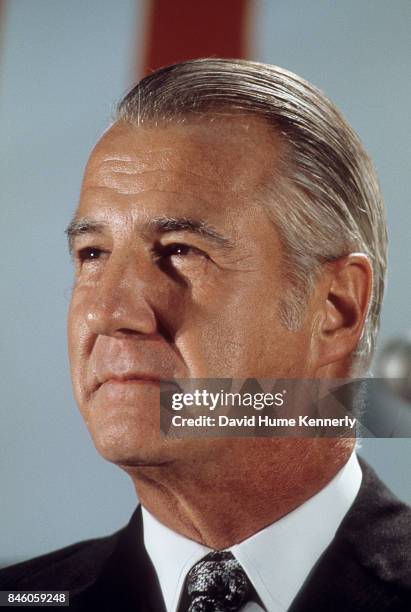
[230,225]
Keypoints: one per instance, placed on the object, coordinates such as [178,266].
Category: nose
[120,304]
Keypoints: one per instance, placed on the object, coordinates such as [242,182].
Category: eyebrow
[195,226]
[82,225]
[163,224]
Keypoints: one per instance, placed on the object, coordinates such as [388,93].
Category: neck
[227,501]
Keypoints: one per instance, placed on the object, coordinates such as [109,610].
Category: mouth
[127,380]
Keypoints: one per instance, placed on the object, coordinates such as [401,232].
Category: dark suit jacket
[367,567]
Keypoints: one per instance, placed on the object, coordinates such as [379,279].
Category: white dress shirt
[277,559]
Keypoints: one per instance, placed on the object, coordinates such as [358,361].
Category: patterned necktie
[217,583]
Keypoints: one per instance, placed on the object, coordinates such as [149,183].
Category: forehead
[219,154]
[207,173]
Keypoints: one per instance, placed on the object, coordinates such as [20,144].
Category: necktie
[217,583]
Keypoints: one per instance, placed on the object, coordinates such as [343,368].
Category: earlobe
[347,293]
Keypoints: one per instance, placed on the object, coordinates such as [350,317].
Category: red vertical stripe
[186,29]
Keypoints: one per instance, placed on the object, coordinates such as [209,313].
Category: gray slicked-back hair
[325,201]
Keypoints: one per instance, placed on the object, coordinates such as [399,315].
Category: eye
[180,249]
[88,254]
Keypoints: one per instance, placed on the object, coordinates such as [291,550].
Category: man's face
[178,275]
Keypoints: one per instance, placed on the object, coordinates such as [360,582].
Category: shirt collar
[172,554]
[277,559]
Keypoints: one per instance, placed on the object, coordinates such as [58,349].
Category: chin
[124,446]
[121,444]
[124,423]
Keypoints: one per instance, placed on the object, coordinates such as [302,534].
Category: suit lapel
[128,581]
[367,566]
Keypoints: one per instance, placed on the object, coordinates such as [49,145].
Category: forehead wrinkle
[96,203]
[202,165]
[99,195]
[108,168]
[179,160]
[146,181]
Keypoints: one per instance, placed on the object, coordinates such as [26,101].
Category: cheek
[73,328]
[77,337]
[227,336]
[239,334]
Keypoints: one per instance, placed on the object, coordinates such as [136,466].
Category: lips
[128,377]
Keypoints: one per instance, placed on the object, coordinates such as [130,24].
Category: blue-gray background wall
[63,65]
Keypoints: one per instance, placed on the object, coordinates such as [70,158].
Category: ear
[344,299]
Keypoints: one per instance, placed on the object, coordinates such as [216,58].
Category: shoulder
[70,568]
[368,564]
[378,528]
[105,574]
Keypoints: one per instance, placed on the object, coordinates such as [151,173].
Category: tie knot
[217,583]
